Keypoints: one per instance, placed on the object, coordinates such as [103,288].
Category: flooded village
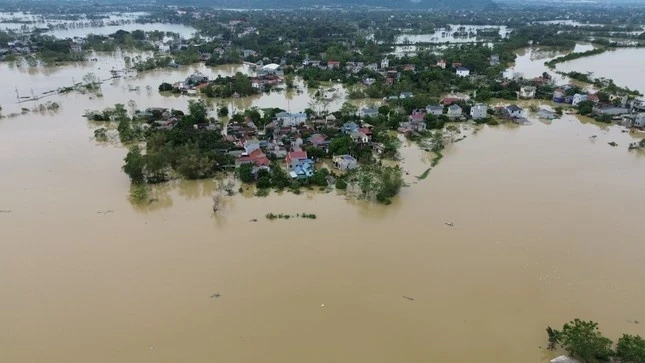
[447,196]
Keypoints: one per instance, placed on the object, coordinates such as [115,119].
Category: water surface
[547,227]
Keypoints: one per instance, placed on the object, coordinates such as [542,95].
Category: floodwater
[623,65]
[81,28]
[444,35]
[142,88]
[548,227]
[529,62]
[183,30]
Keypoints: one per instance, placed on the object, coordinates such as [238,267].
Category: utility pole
[17,94]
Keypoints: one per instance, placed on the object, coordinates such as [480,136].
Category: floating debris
[408,298]
[449,224]
[105,211]
[216,295]
[5,210]
[253,220]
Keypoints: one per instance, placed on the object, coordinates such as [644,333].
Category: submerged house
[345,162]
[479,111]
[514,111]
[454,111]
[527,92]
[578,97]
[546,114]
[559,96]
[434,110]
[291,119]
[299,165]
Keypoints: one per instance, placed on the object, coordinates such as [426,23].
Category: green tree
[583,340]
[245,171]
[585,107]
[391,183]
[223,111]
[192,165]
[264,182]
[348,109]
[320,177]
[198,110]
[554,337]
[165,87]
[631,349]
[340,145]
[433,122]
[279,177]
[134,165]
[101,134]
[384,110]
[341,184]
[314,152]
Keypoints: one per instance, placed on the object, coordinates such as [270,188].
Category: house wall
[640,120]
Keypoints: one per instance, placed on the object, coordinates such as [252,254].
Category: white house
[434,110]
[579,97]
[345,162]
[291,119]
[454,111]
[479,111]
[359,137]
[385,63]
[527,92]
[639,121]
[514,111]
[463,72]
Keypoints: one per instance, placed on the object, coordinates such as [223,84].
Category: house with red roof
[333,64]
[409,67]
[294,156]
[449,100]
[257,158]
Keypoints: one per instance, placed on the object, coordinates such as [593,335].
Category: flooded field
[624,66]
[453,34]
[141,88]
[80,28]
[530,61]
[548,226]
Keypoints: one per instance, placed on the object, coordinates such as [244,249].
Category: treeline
[185,150]
[583,340]
[574,55]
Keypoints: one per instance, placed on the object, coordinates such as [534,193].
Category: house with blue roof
[349,127]
[302,168]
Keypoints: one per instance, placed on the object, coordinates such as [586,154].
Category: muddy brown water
[548,226]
